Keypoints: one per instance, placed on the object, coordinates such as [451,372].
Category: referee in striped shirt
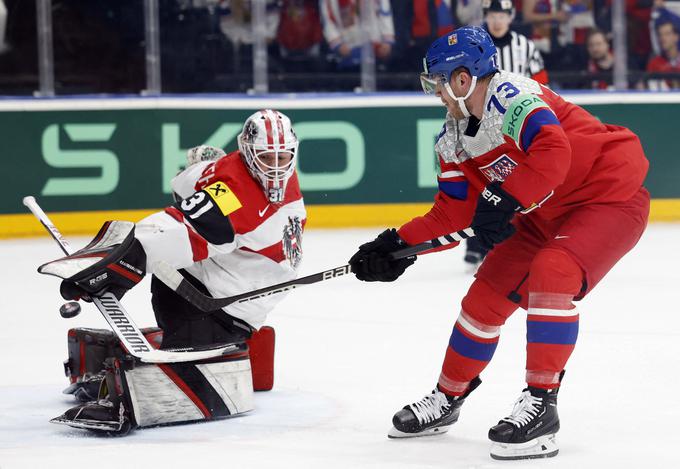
[516,53]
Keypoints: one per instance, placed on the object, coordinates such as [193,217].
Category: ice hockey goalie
[236,226]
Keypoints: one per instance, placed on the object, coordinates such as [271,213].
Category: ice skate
[432,415]
[529,432]
[101,416]
[86,389]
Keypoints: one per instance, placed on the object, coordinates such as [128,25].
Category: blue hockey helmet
[470,47]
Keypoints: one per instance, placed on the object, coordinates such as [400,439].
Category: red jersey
[544,150]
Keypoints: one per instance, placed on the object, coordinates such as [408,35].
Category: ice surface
[349,354]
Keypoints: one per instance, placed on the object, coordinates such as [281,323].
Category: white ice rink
[349,354]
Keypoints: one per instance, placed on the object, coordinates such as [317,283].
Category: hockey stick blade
[186,290]
[120,322]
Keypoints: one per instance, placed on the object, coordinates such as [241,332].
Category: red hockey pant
[542,268]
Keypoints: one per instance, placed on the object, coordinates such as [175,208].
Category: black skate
[474,255]
[529,432]
[101,416]
[86,389]
[431,415]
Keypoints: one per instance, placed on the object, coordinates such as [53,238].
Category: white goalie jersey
[227,234]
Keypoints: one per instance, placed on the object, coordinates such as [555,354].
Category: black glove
[495,209]
[117,275]
[372,263]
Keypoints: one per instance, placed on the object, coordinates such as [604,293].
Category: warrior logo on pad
[499,169]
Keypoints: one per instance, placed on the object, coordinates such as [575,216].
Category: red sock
[552,319]
[474,337]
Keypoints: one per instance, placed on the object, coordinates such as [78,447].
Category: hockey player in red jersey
[558,196]
[237,226]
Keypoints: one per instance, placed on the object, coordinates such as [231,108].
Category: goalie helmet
[268,145]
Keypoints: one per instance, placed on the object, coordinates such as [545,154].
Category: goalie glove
[204,153]
[114,261]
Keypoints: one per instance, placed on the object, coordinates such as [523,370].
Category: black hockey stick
[186,290]
[120,322]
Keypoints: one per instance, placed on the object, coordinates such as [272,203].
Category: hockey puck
[70,309]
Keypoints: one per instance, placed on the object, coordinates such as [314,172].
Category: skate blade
[542,447]
[88,424]
[394,433]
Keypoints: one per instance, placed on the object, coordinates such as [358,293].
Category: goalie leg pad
[147,395]
[84,367]
[261,349]
[88,350]
[191,391]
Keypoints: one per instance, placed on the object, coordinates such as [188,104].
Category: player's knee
[555,271]
[486,305]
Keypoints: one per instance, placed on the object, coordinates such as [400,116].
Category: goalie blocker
[119,393]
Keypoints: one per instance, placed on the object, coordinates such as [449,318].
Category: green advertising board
[82,155]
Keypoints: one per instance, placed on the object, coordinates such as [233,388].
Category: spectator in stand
[342,30]
[445,19]
[545,16]
[600,59]
[662,12]
[416,25]
[559,31]
[638,14]
[669,59]
[469,12]
[517,54]
[299,35]
[580,20]
[236,24]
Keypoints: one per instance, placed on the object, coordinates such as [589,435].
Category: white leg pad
[233,381]
[158,399]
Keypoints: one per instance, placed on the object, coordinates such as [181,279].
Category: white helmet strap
[461,101]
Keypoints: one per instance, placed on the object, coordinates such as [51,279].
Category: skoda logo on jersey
[292,241]
[499,169]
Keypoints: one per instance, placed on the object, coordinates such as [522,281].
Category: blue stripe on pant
[470,348]
[562,333]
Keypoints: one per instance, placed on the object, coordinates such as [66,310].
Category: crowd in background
[316,45]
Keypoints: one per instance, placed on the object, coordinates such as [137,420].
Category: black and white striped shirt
[518,54]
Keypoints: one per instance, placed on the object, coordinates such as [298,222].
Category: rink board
[319,216]
[364,161]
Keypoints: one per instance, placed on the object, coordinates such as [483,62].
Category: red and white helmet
[269,133]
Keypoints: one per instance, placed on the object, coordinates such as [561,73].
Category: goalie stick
[186,290]
[120,322]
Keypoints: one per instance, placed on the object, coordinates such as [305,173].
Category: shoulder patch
[225,199]
[517,112]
